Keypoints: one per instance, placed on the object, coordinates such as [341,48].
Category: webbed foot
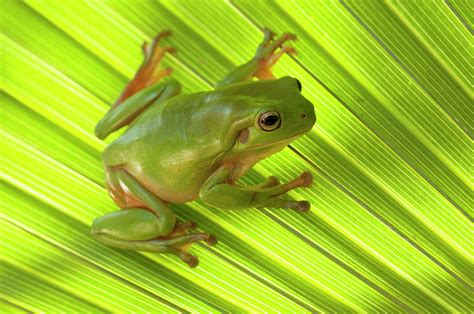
[182,240]
[150,71]
[266,54]
[272,199]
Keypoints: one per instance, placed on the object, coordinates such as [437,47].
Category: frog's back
[172,147]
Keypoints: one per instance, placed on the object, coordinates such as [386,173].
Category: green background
[389,228]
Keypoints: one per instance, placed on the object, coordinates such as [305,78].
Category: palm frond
[390,224]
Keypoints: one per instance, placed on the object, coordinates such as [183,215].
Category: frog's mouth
[289,139]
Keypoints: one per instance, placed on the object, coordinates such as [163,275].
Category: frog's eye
[298,83]
[269,121]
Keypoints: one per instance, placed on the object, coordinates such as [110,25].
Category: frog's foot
[150,71]
[180,247]
[182,240]
[273,201]
[153,54]
[266,53]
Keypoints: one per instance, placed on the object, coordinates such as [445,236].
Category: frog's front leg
[218,192]
[265,57]
[153,229]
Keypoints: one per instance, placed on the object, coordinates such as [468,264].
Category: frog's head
[276,114]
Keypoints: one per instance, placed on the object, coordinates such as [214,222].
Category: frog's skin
[178,148]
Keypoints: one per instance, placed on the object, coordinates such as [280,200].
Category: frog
[178,148]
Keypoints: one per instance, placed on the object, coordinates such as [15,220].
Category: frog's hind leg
[143,91]
[150,71]
[120,116]
[150,229]
[133,229]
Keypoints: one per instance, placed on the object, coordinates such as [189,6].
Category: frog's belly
[172,184]
[172,173]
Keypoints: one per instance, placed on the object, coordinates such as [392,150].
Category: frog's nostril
[303,115]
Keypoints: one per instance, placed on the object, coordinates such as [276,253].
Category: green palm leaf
[390,224]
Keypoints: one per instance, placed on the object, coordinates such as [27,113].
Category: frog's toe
[149,48]
[170,50]
[155,41]
[191,260]
[303,206]
[268,36]
[211,240]
[272,181]
[163,34]
[289,50]
[307,179]
[194,261]
[289,36]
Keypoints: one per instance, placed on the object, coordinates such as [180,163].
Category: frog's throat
[290,139]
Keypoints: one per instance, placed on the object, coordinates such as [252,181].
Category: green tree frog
[178,148]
